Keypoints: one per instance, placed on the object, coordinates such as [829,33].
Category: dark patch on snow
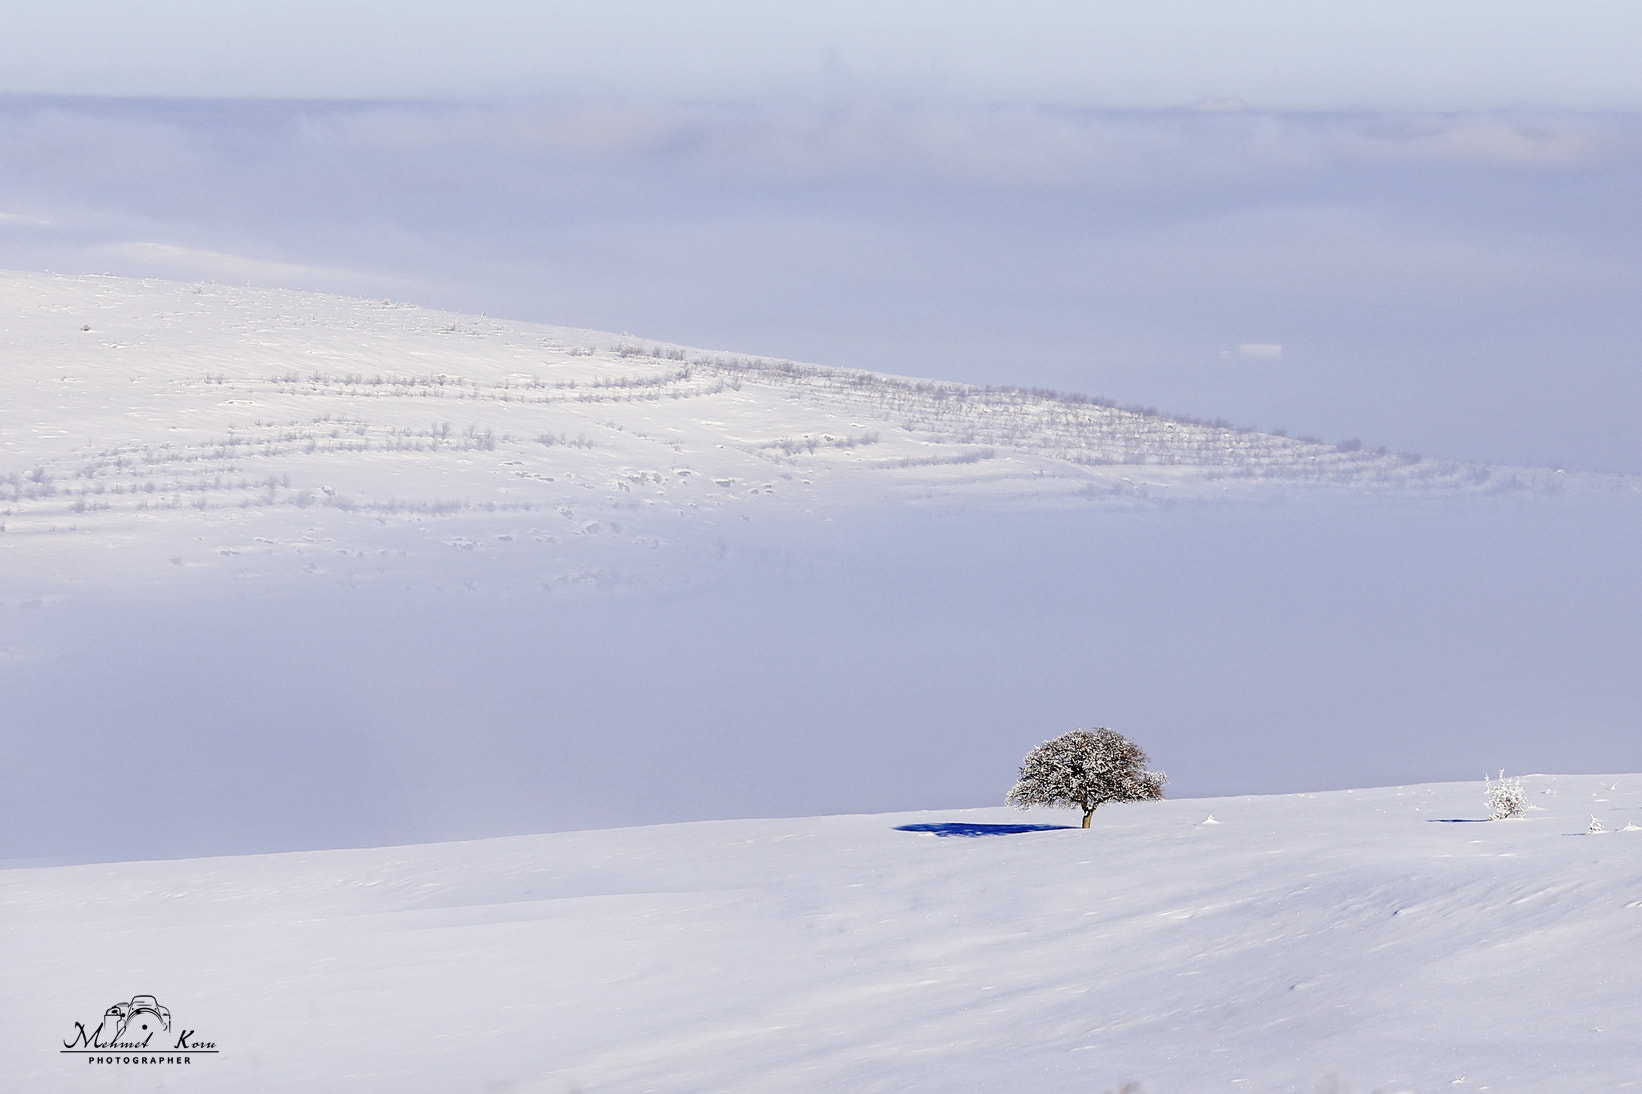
[961,828]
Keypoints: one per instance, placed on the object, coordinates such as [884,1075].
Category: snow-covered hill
[151,430]
[1385,939]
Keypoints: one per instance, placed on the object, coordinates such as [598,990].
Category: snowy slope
[151,430]
[1383,939]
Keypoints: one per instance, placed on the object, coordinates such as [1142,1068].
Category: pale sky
[1273,54]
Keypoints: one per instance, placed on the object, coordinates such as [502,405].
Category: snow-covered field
[1387,939]
[154,432]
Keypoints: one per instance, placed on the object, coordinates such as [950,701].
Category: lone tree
[1086,768]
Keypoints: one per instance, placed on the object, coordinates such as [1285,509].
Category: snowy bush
[1085,769]
[1506,798]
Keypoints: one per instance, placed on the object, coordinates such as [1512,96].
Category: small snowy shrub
[1085,769]
[1506,798]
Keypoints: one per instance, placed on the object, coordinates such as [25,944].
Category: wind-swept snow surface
[1388,939]
[152,427]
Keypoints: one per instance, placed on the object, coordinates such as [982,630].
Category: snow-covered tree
[1084,769]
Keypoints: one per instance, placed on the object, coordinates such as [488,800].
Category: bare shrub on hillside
[1506,797]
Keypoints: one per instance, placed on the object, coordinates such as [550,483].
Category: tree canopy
[1085,769]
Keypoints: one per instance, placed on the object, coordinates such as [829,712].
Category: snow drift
[1388,939]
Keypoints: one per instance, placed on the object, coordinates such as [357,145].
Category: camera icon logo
[135,1022]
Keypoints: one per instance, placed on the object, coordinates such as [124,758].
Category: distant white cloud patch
[1010,145]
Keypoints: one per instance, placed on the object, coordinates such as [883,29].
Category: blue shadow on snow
[962,828]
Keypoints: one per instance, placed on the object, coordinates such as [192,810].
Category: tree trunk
[1087,813]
